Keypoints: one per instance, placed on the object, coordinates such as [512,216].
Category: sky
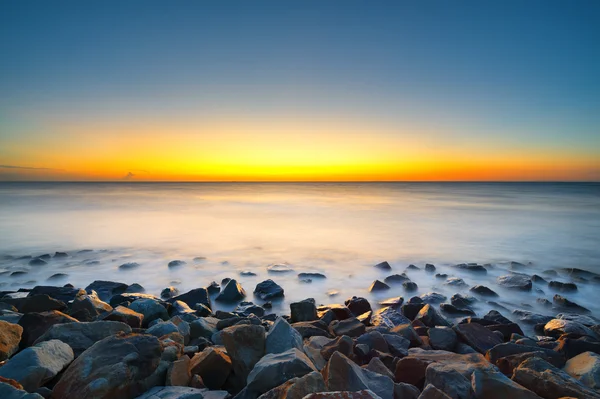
[300,90]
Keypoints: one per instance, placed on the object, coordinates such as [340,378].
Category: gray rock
[169,292]
[431,318]
[455,282]
[397,345]
[477,336]
[377,366]
[303,311]
[81,336]
[312,348]
[515,282]
[203,327]
[396,278]
[125,315]
[585,368]
[351,327]
[268,289]
[213,365]
[448,380]
[196,296]
[161,392]
[245,346]
[282,337]
[231,292]
[38,364]
[563,303]
[388,317]
[162,328]
[442,338]
[378,286]
[494,385]
[151,309]
[431,392]
[557,327]
[433,297]
[276,368]
[483,291]
[383,266]
[374,340]
[9,392]
[528,317]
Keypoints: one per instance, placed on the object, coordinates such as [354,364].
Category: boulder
[125,315]
[429,268]
[515,282]
[204,327]
[585,368]
[341,312]
[548,381]
[510,349]
[312,348]
[91,304]
[408,332]
[276,368]
[245,346]
[569,347]
[126,298]
[194,297]
[433,297]
[376,365]
[442,338]
[81,336]
[213,365]
[483,291]
[161,392]
[8,391]
[279,268]
[455,282]
[363,394]
[528,317]
[35,303]
[63,294]
[119,366]
[151,309]
[562,287]
[431,318]
[10,336]
[282,337]
[456,311]
[38,364]
[477,336]
[507,330]
[374,340]
[561,302]
[36,324]
[396,279]
[388,317]
[496,317]
[378,286]
[350,327]
[397,345]
[303,311]
[178,373]
[495,385]
[310,383]
[245,309]
[471,267]
[410,286]
[303,276]
[358,305]
[311,329]
[448,380]
[343,344]
[431,392]
[383,266]
[169,292]
[162,328]
[587,321]
[558,327]
[268,290]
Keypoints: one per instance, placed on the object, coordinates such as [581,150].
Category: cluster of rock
[111,340]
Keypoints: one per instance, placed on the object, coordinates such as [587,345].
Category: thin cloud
[25,167]
[129,176]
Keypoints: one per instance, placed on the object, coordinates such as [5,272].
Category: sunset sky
[300,90]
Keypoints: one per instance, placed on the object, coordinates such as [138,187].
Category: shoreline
[112,340]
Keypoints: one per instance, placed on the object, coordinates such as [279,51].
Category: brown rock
[36,324]
[178,373]
[10,336]
[213,365]
[127,316]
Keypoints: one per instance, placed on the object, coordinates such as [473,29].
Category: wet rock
[38,364]
[282,337]
[247,308]
[471,267]
[548,381]
[245,346]
[505,350]
[506,329]
[178,373]
[311,328]
[204,327]
[125,315]
[312,348]
[396,278]
[411,310]
[358,305]
[179,392]
[431,318]
[194,297]
[213,365]
[36,303]
[129,266]
[515,282]
[585,368]
[376,365]
[455,282]
[383,266]
[397,344]
[232,292]
[412,267]
[10,335]
[169,292]
[274,369]
[408,332]
[429,268]
[363,394]
[36,324]
[118,366]
[374,340]
[341,312]
[106,289]
[410,286]
[213,288]
[151,309]
[80,336]
[393,302]
[388,317]
[494,385]
[378,286]
[442,338]
[176,263]
[448,380]
[496,317]
[303,311]
[477,336]
[433,297]
[89,303]
[37,262]
[351,327]
[279,268]
[462,301]
[538,279]
[562,287]
[268,289]
[10,391]
[441,276]
[557,327]
[453,310]
[57,276]
[528,317]
[303,276]
[563,303]
[483,291]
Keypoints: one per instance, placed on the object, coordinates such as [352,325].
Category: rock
[268,289]
[363,394]
[312,349]
[35,303]
[408,332]
[151,309]
[378,286]
[448,380]
[396,278]
[282,337]
[431,392]
[528,317]
[455,282]
[213,365]
[494,385]
[304,276]
[358,305]
[462,301]
[470,267]
[89,303]
[515,282]
[175,392]
[582,319]
[38,364]
[129,266]
[410,286]
[276,368]
[496,317]
[383,266]
[433,298]
[341,312]
[341,374]
[507,330]
[453,310]
[411,310]
[310,383]
[412,267]
[10,336]
[178,373]
[585,368]
[508,349]
[80,336]
[548,381]
[303,311]
[429,268]
[483,291]
[562,287]
[350,327]
[279,268]
[377,366]
[397,345]
[194,297]
[477,336]
[169,292]
[557,327]
[311,328]
[431,318]
[393,302]
[442,338]
[118,366]
[8,391]
[106,289]
[374,340]
[36,324]
[388,317]
[245,346]
[176,263]
[569,347]
[563,303]
[127,298]
[247,308]
[162,328]
[37,262]
[125,315]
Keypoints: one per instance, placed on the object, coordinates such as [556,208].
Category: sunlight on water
[340,229]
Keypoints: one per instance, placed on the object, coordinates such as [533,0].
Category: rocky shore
[113,340]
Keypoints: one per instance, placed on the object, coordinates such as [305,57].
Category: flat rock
[558,327]
[477,336]
[351,327]
[81,336]
[515,282]
[388,317]
[10,336]
[279,268]
[396,278]
[125,315]
[38,364]
[585,368]
[282,337]
[276,368]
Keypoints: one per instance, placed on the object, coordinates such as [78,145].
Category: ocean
[338,229]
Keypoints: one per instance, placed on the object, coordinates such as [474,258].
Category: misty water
[338,229]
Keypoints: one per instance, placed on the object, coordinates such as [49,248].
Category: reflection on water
[340,229]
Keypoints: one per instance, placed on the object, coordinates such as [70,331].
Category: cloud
[129,176]
[25,167]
